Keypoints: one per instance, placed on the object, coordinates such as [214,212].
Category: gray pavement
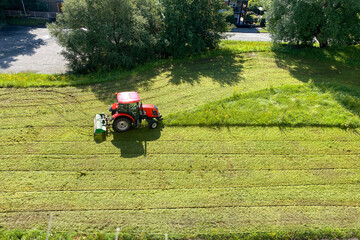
[27,49]
[247,34]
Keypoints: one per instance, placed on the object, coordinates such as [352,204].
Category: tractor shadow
[134,142]
[331,70]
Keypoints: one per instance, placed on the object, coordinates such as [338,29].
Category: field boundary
[328,233]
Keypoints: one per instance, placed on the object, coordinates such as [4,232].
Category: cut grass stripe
[162,189]
[193,221]
[178,162]
[187,147]
[85,134]
[326,195]
[36,181]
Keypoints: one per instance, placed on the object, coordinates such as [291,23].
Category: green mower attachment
[100,123]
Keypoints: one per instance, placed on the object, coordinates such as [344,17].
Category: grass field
[185,180]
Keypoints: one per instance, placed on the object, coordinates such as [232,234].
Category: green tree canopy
[333,22]
[193,25]
[104,34]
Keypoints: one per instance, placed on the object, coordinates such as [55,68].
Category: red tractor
[128,112]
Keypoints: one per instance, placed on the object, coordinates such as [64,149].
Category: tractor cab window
[123,108]
[134,109]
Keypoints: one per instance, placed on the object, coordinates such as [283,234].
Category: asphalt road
[27,49]
[247,34]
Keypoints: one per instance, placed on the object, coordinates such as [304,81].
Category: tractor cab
[128,111]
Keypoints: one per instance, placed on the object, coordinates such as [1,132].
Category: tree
[192,25]
[105,34]
[333,22]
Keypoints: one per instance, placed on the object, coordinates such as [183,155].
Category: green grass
[220,180]
[299,234]
[228,50]
[302,105]
[263,30]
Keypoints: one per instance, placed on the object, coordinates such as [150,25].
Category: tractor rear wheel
[153,124]
[121,125]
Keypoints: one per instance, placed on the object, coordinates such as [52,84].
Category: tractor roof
[128,97]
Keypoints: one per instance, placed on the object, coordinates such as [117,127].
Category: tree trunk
[323,44]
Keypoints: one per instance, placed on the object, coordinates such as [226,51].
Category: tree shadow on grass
[334,70]
[224,69]
[17,41]
[106,91]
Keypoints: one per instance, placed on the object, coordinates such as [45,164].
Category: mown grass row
[176,162]
[312,195]
[147,180]
[75,133]
[194,221]
[184,147]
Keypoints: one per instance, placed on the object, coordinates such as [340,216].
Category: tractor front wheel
[153,124]
[121,125]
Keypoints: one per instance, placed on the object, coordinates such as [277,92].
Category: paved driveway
[247,34]
[27,49]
